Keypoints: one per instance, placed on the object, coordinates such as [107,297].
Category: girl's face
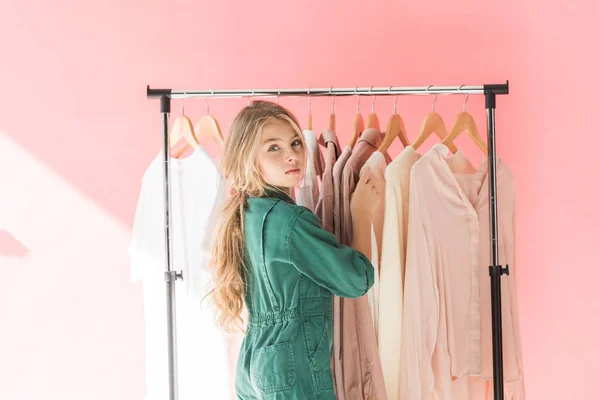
[281,156]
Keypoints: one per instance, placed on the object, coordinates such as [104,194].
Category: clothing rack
[495,270]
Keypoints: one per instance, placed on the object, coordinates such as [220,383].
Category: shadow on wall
[72,322]
[11,247]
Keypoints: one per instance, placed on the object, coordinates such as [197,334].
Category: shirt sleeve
[421,312]
[319,162]
[391,291]
[348,186]
[317,254]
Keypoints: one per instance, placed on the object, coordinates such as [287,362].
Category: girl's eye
[273,148]
[297,142]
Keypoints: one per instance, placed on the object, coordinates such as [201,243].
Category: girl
[274,256]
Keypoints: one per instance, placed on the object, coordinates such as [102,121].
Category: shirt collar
[329,136]
[371,136]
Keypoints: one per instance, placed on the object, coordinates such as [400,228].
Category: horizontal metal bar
[300,92]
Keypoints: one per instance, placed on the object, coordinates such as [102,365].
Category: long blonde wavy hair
[240,167]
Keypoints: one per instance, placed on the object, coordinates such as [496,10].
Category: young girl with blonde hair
[273,256]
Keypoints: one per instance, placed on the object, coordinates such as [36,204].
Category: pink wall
[76,133]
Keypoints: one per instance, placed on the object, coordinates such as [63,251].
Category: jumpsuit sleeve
[317,254]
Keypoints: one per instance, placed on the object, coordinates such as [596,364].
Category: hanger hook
[206,101]
[433,104]
[182,105]
[374,98]
[333,102]
[434,99]
[358,103]
[309,105]
[466,99]
[277,97]
[395,100]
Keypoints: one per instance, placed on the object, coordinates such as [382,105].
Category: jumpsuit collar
[275,192]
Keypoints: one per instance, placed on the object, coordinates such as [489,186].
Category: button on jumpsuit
[294,268]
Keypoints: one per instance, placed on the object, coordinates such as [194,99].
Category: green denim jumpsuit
[294,268]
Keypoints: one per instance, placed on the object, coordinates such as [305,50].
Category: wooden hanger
[372,120]
[321,139]
[207,125]
[433,123]
[358,126]
[182,128]
[395,128]
[465,123]
[332,116]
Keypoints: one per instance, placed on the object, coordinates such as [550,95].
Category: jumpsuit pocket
[317,340]
[274,369]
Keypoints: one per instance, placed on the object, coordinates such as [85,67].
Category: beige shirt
[362,374]
[377,164]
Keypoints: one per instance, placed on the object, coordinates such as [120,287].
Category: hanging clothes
[325,202]
[362,375]
[308,194]
[393,262]
[197,191]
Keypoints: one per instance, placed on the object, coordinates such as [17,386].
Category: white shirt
[197,191]
[308,195]
[393,261]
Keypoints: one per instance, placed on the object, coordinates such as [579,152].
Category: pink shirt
[446,319]
[476,189]
[440,330]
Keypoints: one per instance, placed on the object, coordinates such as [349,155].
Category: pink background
[76,134]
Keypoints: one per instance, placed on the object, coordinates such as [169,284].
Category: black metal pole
[495,270]
[170,276]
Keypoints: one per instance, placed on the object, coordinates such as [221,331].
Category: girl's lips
[293,171]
